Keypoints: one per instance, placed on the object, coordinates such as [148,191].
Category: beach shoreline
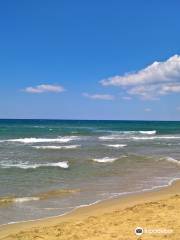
[97,210]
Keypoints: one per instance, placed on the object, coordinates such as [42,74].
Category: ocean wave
[56,193]
[25,199]
[34,166]
[116,145]
[117,135]
[41,140]
[153,132]
[40,196]
[104,160]
[172,160]
[9,199]
[120,137]
[57,147]
[111,137]
[156,137]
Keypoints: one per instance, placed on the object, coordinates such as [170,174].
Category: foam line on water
[107,159]
[41,140]
[104,160]
[34,166]
[25,199]
[171,160]
[116,145]
[152,132]
[57,147]
[120,137]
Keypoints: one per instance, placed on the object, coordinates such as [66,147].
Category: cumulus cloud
[159,78]
[45,88]
[99,96]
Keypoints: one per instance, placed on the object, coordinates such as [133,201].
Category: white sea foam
[144,138]
[172,160]
[104,160]
[34,166]
[156,137]
[116,145]
[152,132]
[111,137]
[41,140]
[121,137]
[25,199]
[57,147]
[59,164]
[148,132]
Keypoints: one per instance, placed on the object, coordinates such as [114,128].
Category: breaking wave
[57,147]
[116,145]
[25,199]
[111,137]
[172,160]
[104,160]
[9,200]
[34,166]
[148,132]
[41,140]
[156,137]
[121,137]
[39,196]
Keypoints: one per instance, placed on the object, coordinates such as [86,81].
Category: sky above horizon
[97,59]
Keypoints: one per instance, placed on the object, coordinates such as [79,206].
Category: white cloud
[45,88]
[157,79]
[99,96]
[170,88]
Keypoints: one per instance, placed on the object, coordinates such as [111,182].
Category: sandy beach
[156,211]
[90,120]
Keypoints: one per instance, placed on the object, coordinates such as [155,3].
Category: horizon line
[69,119]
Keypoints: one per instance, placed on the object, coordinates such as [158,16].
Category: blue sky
[59,59]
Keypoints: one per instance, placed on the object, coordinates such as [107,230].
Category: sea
[51,167]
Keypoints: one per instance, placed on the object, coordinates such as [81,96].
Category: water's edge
[118,195]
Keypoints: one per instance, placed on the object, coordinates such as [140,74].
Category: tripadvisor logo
[139,231]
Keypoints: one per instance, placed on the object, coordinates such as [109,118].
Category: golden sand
[157,212]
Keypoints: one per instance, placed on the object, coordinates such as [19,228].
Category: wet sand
[156,211]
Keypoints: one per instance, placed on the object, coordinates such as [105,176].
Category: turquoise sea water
[49,167]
